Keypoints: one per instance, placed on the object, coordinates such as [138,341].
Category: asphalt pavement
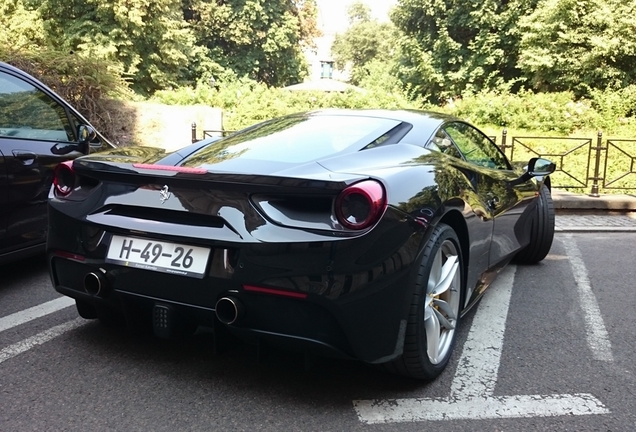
[585,213]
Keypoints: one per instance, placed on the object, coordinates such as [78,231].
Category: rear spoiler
[321,180]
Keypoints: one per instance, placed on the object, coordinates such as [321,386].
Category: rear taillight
[64,178]
[360,205]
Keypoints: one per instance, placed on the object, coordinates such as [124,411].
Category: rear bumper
[356,292]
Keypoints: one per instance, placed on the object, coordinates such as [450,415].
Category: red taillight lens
[274,291]
[64,178]
[360,205]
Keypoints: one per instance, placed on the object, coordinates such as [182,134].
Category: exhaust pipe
[95,284]
[229,310]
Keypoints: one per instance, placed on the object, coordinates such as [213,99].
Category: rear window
[296,139]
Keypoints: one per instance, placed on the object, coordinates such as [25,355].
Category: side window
[29,113]
[476,147]
[441,142]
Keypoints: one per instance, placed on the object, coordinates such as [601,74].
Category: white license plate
[158,256]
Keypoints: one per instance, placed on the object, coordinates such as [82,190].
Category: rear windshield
[296,139]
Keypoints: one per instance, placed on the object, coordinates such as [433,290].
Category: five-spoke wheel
[435,308]
[441,304]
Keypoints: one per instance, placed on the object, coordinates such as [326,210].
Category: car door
[32,123]
[4,208]
[503,199]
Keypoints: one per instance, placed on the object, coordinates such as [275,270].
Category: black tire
[441,255]
[85,309]
[541,230]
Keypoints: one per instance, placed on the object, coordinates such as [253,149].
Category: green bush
[546,112]
[615,107]
[245,102]
[611,111]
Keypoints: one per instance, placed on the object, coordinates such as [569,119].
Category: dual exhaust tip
[228,309]
[95,284]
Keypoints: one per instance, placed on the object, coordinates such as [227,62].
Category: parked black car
[363,234]
[38,130]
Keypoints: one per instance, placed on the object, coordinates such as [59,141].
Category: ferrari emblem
[165,194]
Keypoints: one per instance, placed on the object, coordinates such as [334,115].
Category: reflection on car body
[368,244]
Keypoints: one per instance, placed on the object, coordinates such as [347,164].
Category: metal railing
[208,133]
[623,163]
[608,164]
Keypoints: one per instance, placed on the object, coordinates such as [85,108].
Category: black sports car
[363,234]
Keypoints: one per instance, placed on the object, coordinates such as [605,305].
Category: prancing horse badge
[165,194]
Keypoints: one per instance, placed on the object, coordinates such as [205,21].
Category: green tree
[262,39]
[451,46]
[20,25]
[579,45]
[148,38]
[364,41]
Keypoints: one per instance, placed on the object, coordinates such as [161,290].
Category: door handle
[24,156]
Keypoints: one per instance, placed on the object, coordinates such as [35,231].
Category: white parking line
[34,312]
[40,338]
[492,407]
[597,336]
[478,366]
[472,389]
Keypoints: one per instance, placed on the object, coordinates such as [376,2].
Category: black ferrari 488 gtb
[362,234]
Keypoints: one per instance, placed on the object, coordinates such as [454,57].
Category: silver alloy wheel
[441,304]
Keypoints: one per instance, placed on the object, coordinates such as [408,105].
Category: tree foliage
[466,45]
[455,47]
[579,45]
[365,40]
[435,49]
[263,39]
[160,44]
[149,38]
[20,25]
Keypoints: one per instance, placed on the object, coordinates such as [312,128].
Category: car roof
[416,117]
[18,71]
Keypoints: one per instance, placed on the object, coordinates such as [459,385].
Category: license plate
[165,257]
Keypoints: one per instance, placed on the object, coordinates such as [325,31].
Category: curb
[573,203]
[591,229]
[580,213]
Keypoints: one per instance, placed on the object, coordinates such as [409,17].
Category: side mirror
[86,134]
[87,138]
[539,167]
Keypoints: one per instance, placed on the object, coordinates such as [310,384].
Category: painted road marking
[597,336]
[479,364]
[40,338]
[34,312]
[471,396]
[492,407]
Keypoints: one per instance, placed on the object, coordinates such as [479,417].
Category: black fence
[208,133]
[596,164]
